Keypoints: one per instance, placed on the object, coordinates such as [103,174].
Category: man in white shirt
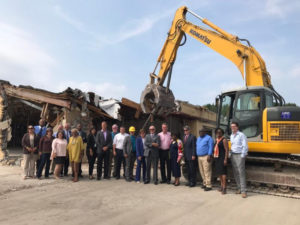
[239,151]
[118,149]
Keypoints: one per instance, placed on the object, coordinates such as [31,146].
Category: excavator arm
[158,99]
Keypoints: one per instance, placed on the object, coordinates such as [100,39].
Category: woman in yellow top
[76,151]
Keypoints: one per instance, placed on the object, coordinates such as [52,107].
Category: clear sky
[110,47]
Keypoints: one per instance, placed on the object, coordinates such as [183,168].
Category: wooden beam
[45,112]
[94,109]
[132,104]
[31,104]
[35,96]
[57,120]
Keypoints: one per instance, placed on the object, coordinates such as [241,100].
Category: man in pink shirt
[164,154]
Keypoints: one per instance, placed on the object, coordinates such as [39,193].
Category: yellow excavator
[273,130]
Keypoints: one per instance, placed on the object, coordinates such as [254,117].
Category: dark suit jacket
[101,142]
[91,144]
[26,143]
[148,145]
[139,147]
[83,136]
[189,147]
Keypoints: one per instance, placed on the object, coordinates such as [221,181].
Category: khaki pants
[205,170]
[29,164]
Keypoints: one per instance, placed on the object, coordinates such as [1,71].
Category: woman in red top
[221,155]
[45,149]
[176,155]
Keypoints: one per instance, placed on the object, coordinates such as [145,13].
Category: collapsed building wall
[24,105]
[196,117]
[5,121]
[21,106]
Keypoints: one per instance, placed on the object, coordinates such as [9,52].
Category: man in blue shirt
[40,131]
[204,149]
[239,151]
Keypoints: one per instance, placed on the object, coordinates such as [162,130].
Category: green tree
[290,104]
[211,107]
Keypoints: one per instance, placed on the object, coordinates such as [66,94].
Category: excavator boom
[156,97]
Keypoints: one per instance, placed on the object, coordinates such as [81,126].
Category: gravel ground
[118,202]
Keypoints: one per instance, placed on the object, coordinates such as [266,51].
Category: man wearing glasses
[151,152]
[239,150]
[189,146]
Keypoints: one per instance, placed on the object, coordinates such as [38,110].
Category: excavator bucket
[157,100]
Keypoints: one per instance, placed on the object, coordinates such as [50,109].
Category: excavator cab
[246,107]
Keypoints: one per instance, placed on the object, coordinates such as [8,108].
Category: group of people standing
[147,150]
[206,150]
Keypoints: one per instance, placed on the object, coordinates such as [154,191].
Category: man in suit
[189,144]
[114,132]
[129,150]
[83,135]
[104,145]
[151,152]
[67,132]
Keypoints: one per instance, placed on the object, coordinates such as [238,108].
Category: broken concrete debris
[24,105]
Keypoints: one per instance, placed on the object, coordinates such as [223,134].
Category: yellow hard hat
[132,129]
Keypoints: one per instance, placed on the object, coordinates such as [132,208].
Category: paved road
[119,202]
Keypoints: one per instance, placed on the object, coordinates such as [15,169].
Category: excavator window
[269,101]
[248,101]
[247,111]
[225,115]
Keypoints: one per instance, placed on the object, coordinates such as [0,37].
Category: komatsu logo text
[200,36]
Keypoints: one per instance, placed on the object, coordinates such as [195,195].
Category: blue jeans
[45,159]
[140,163]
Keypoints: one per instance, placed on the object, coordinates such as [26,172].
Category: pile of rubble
[24,105]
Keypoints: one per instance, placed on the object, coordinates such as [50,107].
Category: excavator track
[265,190]
[267,175]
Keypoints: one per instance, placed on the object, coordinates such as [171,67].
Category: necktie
[40,132]
[185,138]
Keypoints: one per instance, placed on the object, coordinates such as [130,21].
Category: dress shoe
[177,184]
[156,182]
[223,191]
[244,195]
[98,178]
[163,181]
[168,182]
[187,184]
[117,178]
[192,185]
[203,186]
[208,189]
[128,179]
[106,178]
[146,182]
